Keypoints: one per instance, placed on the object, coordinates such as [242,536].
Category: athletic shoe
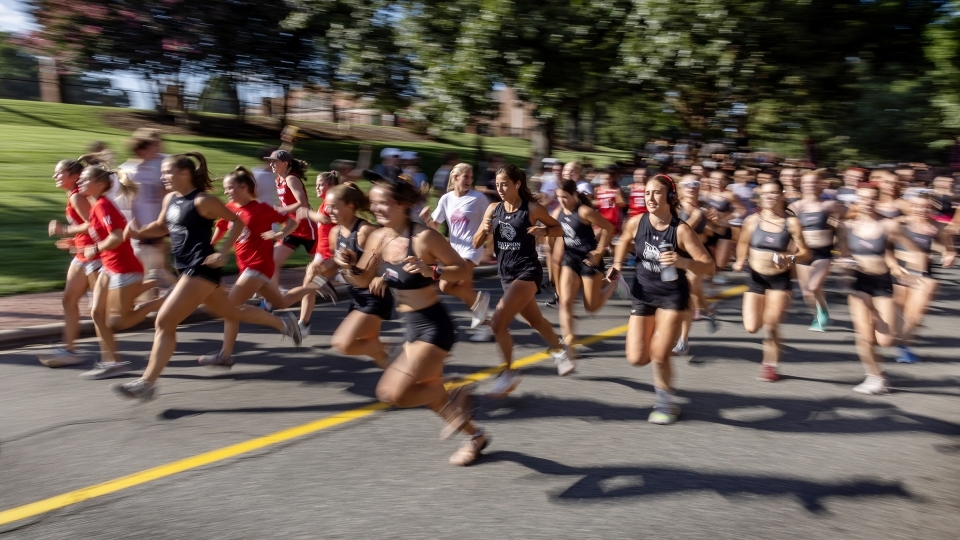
[506,383]
[479,309]
[291,328]
[470,450]
[455,412]
[682,348]
[483,334]
[873,386]
[326,290]
[216,359]
[697,315]
[664,418]
[623,288]
[562,358]
[105,370]
[815,326]
[768,373]
[713,325]
[554,303]
[824,318]
[266,306]
[60,357]
[138,389]
[304,329]
[906,356]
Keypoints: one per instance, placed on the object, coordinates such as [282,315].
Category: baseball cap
[408,155]
[279,155]
[390,152]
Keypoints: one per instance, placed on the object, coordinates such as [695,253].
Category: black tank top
[350,241]
[578,237]
[770,241]
[946,206]
[862,246]
[190,233]
[646,245]
[398,278]
[814,221]
[698,228]
[516,249]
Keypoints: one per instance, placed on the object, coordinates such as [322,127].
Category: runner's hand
[90,252]
[612,274]
[345,257]
[378,286]
[946,260]
[54,229]
[215,260]
[487,226]
[413,265]
[594,258]
[738,266]
[66,244]
[668,258]
[537,232]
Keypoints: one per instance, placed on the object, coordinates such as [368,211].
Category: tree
[19,72]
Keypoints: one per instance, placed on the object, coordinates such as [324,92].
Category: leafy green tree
[19,73]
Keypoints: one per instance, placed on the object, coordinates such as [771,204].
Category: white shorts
[470,254]
[250,273]
[318,258]
[119,281]
[89,267]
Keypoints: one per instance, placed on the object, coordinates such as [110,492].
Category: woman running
[788,177]
[610,201]
[945,209]
[889,205]
[722,208]
[254,255]
[462,208]
[666,248]
[322,266]
[867,243]
[359,333]
[693,215]
[82,273]
[818,218]
[408,258]
[121,279]
[513,225]
[187,216]
[921,233]
[291,175]
[636,204]
[765,239]
[582,263]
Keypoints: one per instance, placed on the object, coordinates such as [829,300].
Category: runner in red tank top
[637,204]
[254,258]
[322,267]
[82,272]
[291,174]
[120,281]
[609,201]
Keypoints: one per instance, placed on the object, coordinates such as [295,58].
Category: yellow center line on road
[131,480]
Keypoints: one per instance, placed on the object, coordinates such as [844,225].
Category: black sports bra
[770,241]
[398,278]
[701,224]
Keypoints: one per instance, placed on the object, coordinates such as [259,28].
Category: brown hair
[143,138]
[570,186]
[402,192]
[200,175]
[672,199]
[98,174]
[72,166]
[351,194]
[330,178]
[242,175]
[298,168]
[515,174]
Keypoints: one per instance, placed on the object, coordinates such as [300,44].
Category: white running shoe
[60,357]
[479,309]
[506,383]
[562,358]
[872,386]
[483,334]
[105,370]
[682,348]
[138,389]
[304,330]
[291,329]
[326,290]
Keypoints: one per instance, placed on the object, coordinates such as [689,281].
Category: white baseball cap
[390,152]
[408,155]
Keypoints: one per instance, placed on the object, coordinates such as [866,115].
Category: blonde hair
[458,170]
[126,188]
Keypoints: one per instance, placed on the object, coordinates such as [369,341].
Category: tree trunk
[543,139]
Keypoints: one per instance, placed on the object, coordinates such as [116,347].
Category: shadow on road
[611,482]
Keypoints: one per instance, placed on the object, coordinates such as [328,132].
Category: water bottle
[667,273]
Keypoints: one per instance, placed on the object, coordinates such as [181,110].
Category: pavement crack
[62,425]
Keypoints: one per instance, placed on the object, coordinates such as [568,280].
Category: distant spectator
[441,178]
[389,163]
[100,148]
[487,182]
[266,180]
[409,163]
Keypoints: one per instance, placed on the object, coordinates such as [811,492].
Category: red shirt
[606,201]
[251,250]
[105,218]
[81,240]
[323,236]
[305,228]
[637,203]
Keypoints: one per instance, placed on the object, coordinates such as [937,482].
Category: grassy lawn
[35,136]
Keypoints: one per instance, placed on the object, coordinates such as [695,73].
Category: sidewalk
[37,318]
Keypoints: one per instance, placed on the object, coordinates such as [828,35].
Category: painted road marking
[131,480]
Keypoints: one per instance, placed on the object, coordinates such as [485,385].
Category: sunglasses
[690,184]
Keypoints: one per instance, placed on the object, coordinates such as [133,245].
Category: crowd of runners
[564,230]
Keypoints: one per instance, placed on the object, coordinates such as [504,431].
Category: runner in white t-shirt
[462,209]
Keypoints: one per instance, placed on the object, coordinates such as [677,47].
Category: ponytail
[515,174]
[298,168]
[351,194]
[128,188]
[101,158]
[200,175]
[332,178]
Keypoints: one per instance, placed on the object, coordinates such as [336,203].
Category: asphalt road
[571,457]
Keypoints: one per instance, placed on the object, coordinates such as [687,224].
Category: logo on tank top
[173,217]
[507,231]
[569,235]
[651,258]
